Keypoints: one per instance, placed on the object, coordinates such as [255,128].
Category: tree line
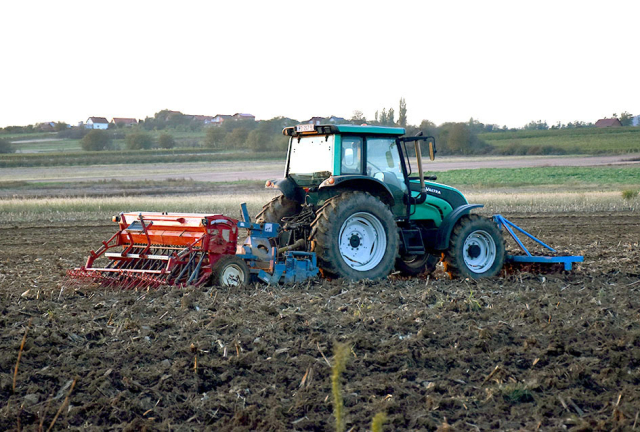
[159,132]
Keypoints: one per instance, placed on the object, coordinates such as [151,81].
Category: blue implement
[529,258]
[297,267]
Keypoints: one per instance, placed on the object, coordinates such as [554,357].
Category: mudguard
[444,231]
[290,189]
[363,183]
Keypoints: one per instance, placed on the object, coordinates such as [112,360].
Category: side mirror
[389,156]
[432,149]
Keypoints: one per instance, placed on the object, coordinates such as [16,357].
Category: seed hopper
[180,249]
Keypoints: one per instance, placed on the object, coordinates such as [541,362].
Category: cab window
[383,162]
[351,155]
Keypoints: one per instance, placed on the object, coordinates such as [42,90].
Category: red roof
[608,122]
[123,120]
[98,120]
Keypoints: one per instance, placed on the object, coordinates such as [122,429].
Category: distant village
[217,120]
[96,122]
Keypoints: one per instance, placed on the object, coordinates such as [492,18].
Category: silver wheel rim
[479,251]
[232,275]
[362,241]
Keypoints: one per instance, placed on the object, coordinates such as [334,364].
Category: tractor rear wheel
[476,248]
[414,265]
[355,237]
[276,209]
[230,271]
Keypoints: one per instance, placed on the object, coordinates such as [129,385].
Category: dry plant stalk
[24,339]
[497,368]
[66,401]
[46,408]
[340,357]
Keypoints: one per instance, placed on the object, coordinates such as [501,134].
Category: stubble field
[528,350]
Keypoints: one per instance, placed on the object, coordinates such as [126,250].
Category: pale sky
[502,62]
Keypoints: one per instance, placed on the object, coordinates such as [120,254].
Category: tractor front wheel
[476,248]
[230,271]
[355,237]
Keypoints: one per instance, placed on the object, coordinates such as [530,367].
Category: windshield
[311,158]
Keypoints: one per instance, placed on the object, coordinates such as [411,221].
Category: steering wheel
[374,166]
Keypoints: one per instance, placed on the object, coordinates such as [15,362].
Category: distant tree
[60,126]
[429,128]
[139,140]
[273,128]
[96,140]
[383,117]
[73,133]
[166,141]
[475,125]
[402,113]
[175,119]
[237,138]
[258,140]
[626,118]
[539,125]
[5,146]
[215,137]
[458,138]
[358,117]
[386,118]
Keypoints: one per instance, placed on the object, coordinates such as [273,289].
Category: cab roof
[310,129]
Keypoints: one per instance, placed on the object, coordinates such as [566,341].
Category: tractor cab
[325,160]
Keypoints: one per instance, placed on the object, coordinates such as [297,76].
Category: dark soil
[524,351]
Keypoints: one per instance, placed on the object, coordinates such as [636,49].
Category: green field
[591,177]
[577,141]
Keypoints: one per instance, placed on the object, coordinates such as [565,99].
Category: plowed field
[529,350]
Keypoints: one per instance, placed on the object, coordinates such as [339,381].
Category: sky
[500,62]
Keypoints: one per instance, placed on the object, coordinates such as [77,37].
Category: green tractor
[351,195]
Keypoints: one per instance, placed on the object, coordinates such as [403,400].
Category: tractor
[357,196]
[351,206]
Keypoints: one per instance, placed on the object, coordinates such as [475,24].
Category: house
[608,122]
[203,119]
[242,116]
[315,120]
[635,121]
[218,119]
[96,123]
[47,126]
[323,120]
[123,121]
